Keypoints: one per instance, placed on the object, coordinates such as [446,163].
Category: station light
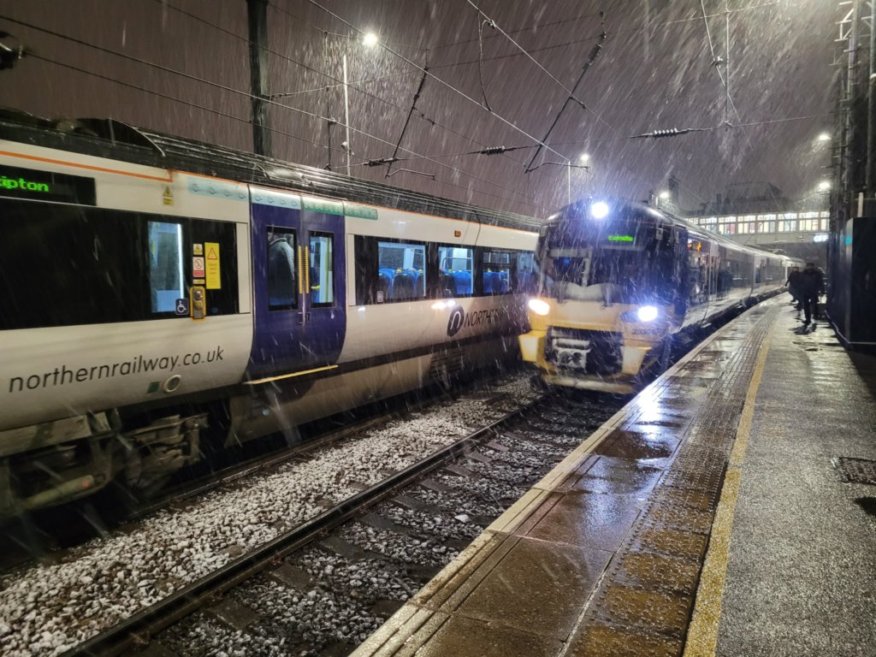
[599,210]
[823,186]
[369,39]
[647,313]
[584,158]
[539,307]
[824,136]
[664,195]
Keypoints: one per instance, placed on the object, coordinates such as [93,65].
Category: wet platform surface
[639,530]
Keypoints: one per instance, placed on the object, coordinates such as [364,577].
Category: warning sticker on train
[213,267]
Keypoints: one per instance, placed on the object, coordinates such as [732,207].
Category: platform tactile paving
[651,611]
[644,601]
[599,640]
[856,471]
[658,572]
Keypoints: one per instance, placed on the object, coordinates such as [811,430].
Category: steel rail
[135,632]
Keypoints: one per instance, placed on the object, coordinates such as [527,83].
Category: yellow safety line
[702,635]
[289,376]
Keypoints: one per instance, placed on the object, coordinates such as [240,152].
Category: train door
[298,257]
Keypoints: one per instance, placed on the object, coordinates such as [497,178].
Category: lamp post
[369,40]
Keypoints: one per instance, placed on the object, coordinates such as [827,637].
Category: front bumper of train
[535,346]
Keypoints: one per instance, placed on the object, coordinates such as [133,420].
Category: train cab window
[456,270]
[496,272]
[166,275]
[282,283]
[401,271]
[322,284]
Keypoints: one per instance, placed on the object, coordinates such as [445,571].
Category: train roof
[112,139]
[669,218]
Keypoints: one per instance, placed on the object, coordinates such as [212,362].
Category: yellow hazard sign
[211,256]
[167,196]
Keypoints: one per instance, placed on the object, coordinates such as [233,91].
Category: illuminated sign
[21,183]
[621,238]
[46,186]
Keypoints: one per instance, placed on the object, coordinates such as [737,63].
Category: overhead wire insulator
[666,132]
[380,161]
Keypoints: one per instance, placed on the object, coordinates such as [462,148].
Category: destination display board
[37,185]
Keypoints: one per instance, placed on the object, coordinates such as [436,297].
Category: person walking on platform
[810,285]
[793,284]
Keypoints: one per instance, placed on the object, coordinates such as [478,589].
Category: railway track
[321,587]
[71,595]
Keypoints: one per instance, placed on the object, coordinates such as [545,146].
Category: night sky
[654,71]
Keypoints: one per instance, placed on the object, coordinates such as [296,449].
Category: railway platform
[729,509]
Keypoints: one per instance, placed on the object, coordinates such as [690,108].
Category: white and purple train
[158,293]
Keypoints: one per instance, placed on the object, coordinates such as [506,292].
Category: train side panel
[395,345]
[377,329]
[62,353]
[300,292]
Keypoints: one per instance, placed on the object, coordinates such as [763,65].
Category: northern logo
[457,318]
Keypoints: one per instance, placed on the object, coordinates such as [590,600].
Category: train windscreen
[622,261]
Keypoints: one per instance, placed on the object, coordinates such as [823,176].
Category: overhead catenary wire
[525,28]
[407,121]
[716,62]
[526,54]
[338,82]
[672,132]
[237,92]
[164,96]
[247,121]
[539,65]
[440,81]
[590,59]
[481,24]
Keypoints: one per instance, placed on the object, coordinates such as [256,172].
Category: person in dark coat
[811,284]
[793,284]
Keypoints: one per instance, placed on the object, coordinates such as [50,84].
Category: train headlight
[647,313]
[599,210]
[539,307]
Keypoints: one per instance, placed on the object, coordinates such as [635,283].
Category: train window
[456,271]
[67,265]
[496,269]
[282,283]
[166,276]
[401,271]
[322,291]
